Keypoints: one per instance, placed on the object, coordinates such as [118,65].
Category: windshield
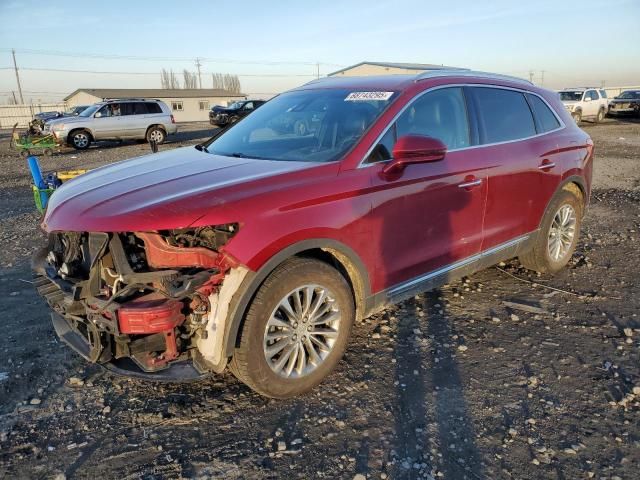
[630,94]
[235,105]
[90,111]
[574,96]
[307,125]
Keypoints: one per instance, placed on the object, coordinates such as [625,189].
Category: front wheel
[295,330]
[80,140]
[577,117]
[600,116]
[558,234]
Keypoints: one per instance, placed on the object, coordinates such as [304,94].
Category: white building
[187,105]
[385,68]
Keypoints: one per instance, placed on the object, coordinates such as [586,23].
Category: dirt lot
[451,384]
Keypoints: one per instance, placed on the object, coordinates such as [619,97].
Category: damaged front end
[138,302]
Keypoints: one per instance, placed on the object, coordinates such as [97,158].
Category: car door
[430,215]
[515,159]
[592,105]
[106,122]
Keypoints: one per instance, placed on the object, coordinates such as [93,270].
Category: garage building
[187,105]
[386,68]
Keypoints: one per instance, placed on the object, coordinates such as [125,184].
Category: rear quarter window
[547,121]
[153,108]
[504,115]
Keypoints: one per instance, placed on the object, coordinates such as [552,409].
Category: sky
[274,46]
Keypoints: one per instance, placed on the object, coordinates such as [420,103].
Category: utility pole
[542,77]
[15,67]
[318,70]
[531,76]
[198,65]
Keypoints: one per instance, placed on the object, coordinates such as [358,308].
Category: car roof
[401,82]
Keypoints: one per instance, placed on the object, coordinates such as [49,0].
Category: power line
[64,70]
[57,53]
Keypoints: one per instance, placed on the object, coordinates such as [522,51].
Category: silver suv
[119,119]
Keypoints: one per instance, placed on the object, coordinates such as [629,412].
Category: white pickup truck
[585,103]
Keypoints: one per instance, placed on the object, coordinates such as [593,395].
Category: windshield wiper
[200,147]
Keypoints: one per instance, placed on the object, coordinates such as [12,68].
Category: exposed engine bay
[141,297]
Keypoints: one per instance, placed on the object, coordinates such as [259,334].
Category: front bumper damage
[145,304]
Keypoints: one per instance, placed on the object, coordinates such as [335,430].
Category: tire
[600,117]
[577,117]
[542,256]
[157,134]
[293,377]
[80,139]
[233,120]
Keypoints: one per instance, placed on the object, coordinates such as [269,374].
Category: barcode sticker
[368,96]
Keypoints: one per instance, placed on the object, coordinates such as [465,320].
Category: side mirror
[414,149]
[98,115]
[587,99]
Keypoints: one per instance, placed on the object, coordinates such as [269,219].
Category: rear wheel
[156,134]
[558,235]
[296,329]
[80,139]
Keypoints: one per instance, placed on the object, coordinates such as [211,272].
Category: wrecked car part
[210,342]
[139,301]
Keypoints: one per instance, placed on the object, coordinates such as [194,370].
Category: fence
[23,114]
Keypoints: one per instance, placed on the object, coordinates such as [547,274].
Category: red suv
[259,249]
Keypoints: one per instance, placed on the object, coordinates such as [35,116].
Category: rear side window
[504,115]
[440,114]
[154,107]
[603,93]
[546,119]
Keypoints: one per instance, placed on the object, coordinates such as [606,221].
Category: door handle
[470,184]
[546,165]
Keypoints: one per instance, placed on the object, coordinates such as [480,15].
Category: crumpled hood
[166,190]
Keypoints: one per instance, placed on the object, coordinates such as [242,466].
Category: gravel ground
[454,383]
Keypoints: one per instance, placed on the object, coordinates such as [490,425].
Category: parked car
[222,116]
[75,111]
[44,116]
[627,103]
[585,103]
[259,250]
[120,119]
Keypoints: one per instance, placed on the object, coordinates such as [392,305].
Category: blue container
[36,173]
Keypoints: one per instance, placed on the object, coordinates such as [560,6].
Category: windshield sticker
[368,96]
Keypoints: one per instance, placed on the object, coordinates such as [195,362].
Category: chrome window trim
[364,164]
[400,288]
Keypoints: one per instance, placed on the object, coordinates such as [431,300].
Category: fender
[253,280]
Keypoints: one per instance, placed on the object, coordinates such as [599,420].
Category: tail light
[173,120]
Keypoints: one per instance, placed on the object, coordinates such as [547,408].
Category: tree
[168,79]
[226,81]
[190,79]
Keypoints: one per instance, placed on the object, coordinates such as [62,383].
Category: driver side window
[440,114]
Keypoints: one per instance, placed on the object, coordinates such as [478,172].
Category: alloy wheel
[81,140]
[301,331]
[562,233]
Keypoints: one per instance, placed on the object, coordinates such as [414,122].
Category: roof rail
[463,72]
[113,99]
